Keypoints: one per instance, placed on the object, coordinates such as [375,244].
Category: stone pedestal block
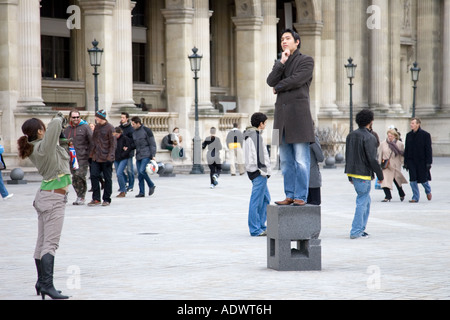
[293,238]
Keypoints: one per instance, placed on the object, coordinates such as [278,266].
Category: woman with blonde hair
[391,151]
[42,146]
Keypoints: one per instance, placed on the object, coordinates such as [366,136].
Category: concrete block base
[292,238]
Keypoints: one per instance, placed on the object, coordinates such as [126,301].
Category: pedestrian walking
[123,150]
[391,153]
[3,192]
[257,165]
[102,155]
[235,140]
[360,165]
[290,79]
[145,145]
[213,145]
[80,134]
[41,146]
[418,159]
[127,130]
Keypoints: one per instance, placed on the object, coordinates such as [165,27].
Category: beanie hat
[101,114]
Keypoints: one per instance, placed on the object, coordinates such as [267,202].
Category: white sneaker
[79,202]
[212,186]
[8,196]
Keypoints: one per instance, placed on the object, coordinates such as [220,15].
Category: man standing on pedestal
[290,79]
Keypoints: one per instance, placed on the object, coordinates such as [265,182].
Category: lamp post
[195,60]
[414,77]
[351,69]
[95,58]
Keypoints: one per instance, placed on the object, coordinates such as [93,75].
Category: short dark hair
[257,118]
[126,114]
[364,117]
[295,35]
[136,119]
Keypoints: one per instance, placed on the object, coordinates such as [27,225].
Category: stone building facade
[44,64]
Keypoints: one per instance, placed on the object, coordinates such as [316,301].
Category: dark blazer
[291,82]
[361,154]
[418,155]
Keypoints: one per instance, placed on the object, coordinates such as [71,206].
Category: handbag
[385,163]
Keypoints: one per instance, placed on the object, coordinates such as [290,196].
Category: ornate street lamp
[351,69]
[414,77]
[196,60]
[95,58]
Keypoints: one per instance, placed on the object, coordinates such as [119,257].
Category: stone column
[201,41]
[180,83]
[9,74]
[268,52]
[248,57]
[343,52]
[329,106]
[123,61]
[29,52]
[446,59]
[311,34]
[428,45]
[395,10]
[379,58]
[98,24]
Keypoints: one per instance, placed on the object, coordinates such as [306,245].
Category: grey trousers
[50,208]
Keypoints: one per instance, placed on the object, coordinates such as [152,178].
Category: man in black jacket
[145,144]
[418,159]
[361,163]
[127,128]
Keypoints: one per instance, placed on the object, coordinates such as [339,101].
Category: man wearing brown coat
[290,79]
[102,155]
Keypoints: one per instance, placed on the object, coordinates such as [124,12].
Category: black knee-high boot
[39,279]
[37,262]
[47,288]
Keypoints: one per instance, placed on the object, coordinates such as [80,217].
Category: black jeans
[214,169]
[97,169]
[387,191]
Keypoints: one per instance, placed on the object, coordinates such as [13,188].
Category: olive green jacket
[48,156]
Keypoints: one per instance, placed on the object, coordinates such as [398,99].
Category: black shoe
[47,288]
[140,195]
[152,190]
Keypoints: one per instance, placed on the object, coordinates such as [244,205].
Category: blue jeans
[415,189]
[120,167]
[3,190]
[142,175]
[130,173]
[295,165]
[362,211]
[257,211]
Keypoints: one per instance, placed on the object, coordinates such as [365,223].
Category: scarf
[393,146]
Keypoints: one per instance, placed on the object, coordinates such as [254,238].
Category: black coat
[418,155]
[291,82]
[122,142]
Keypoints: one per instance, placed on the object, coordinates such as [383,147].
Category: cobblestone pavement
[191,242]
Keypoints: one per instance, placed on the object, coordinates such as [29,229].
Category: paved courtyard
[191,242]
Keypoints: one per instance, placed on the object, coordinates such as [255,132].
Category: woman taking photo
[42,147]
[391,151]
